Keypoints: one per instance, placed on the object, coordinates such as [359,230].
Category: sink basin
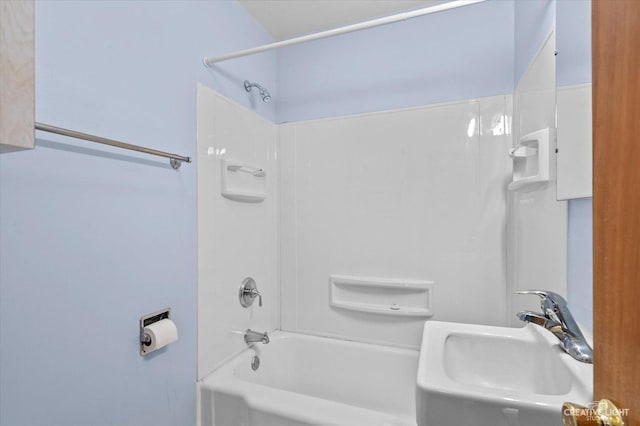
[509,364]
[475,375]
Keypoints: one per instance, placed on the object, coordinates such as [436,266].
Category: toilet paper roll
[161,333]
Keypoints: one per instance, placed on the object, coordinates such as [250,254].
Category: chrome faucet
[251,336]
[556,318]
[249,292]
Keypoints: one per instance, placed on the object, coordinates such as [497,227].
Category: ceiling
[290,18]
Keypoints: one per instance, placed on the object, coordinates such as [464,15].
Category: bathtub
[307,380]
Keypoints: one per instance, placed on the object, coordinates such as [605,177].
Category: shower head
[264,93]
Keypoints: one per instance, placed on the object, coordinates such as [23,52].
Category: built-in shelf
[243,182]
[531,161]
[383,296]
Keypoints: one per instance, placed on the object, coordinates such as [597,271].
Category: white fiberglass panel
[236,237]
[413,194]
[575,146]
[537,221]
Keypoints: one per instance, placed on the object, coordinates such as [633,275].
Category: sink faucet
[251,336]
[556,318]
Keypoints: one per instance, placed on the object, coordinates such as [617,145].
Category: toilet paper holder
[146,320]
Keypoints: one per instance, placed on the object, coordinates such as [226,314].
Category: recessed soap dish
[243,182]
[531,159]
[383,296]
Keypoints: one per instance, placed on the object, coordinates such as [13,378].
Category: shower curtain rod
[210,60]
[174,159]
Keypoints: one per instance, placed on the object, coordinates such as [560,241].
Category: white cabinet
[17,72]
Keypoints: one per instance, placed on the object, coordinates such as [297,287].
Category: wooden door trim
[616,202]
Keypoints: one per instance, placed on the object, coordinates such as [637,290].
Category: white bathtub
[308,380]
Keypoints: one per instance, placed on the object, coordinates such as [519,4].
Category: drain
[255,363]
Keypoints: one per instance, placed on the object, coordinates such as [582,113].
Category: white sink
[475,375]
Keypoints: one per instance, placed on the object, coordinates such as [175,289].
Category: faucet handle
[255,293]
[248,293]
[536,292]
[550,303]
[545,296]
[541,293]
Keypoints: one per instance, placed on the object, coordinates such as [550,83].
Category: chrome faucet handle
[249,292]
[546,295]
[255,293]
[541,293]
[551,303]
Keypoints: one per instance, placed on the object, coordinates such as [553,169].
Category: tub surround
[537,238]
[237,236]
[409,194]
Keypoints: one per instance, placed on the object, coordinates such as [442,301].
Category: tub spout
[251,336]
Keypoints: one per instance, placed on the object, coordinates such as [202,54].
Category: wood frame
[616,202]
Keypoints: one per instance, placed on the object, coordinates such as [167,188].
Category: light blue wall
[457,54]
[574,67]
[580,268]
[533,19]
[92,237]
[574,42]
